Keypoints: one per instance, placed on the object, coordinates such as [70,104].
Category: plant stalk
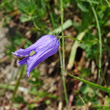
[17,83]
[63,54]
[100,39]
[100,43]
[108,2]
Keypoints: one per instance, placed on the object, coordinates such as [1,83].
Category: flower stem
[108,2]
[17,83]
[100,39]
[63,54]
[100,43]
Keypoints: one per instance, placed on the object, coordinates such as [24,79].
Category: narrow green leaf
[91,1]
[75,46]
[74,39]
[82,7]
[107,90]
[66,25]
[74,49]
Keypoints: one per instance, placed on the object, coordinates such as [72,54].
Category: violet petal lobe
[23,61]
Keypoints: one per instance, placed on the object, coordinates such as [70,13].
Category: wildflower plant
[94,14]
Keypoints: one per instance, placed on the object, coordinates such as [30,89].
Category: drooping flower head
[43,48]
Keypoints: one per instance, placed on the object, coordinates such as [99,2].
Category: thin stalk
[100,43]
[107,90]
[17,83]
[100,38]
[63,51]
[63,78]
[108,2]
[60,56]
[63,54]
[83,102]
[51,16]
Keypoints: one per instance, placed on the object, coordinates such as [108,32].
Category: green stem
[61,2]
[107,90]
[60,55]
[108,2]
[100,43]
[51,16]
[17,83]
[63,54]
[63,77]
[100,39]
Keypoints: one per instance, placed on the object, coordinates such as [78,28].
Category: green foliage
[88,95]
[85,73]
[30,10]
[35,80]
[91,48]
[7,6]
[19,99]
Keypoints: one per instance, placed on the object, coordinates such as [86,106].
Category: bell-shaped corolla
[43,48]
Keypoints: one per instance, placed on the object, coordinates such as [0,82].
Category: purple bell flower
[43,48]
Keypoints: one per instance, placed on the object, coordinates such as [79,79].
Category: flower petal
[21,53]
[23,61]
[39,44]
[42,54]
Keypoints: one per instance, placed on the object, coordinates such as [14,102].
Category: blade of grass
[108,2]
[83,102]
[25,90]
[100,38]
[104,89]
[66,25]
[75,46]
[92,41]
[51,16]
[17,82]
[63,54]
[91,1]
[74,50]
[100,43]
